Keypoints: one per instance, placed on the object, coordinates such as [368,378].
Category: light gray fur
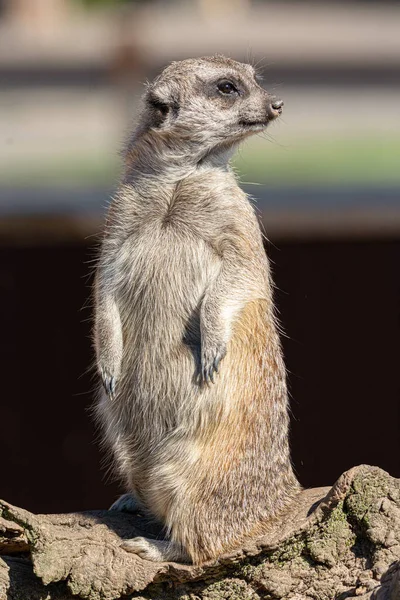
[182,291]
[128,503]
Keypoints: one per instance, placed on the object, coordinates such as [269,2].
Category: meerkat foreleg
[108,335]
[222,302]
[214,336]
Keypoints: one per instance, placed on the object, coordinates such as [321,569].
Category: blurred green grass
[321,161]
[334,161]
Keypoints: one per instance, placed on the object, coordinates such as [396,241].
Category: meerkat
[195,405]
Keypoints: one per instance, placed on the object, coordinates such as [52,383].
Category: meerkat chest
[171,252]
[205,204]
[165,270]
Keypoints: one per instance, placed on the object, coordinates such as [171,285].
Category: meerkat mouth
[273,112]
[254,123]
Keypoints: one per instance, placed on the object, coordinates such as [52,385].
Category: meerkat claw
[108,383]
[210,366]
[206,375]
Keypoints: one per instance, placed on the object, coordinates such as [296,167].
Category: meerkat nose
[277,104]
[274,108]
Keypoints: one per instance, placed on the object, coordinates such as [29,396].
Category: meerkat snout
[274,108]
[277,104]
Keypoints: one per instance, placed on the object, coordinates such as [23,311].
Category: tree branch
[337,543]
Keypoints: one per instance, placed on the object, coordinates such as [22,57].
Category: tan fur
[183,288]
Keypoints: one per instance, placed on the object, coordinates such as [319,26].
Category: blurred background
[326,178]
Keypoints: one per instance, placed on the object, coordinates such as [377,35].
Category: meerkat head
[212,102]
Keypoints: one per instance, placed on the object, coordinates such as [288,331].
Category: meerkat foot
[127,503]
[155,550]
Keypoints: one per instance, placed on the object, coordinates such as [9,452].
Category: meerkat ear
[162,98]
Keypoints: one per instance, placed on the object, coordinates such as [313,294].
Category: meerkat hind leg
[155,550]
[127,503]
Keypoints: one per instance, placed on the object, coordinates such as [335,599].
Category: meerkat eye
[227,87]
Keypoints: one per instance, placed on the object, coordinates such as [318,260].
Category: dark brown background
[338,304]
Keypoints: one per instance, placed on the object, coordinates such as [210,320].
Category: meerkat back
[194,406]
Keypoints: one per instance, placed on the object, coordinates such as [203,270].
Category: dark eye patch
[212,88]
[239,88]
[227,88]
[157,104]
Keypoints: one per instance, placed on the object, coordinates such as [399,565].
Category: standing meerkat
[195,405]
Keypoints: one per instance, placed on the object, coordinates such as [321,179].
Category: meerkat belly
[203,443]
[159,304]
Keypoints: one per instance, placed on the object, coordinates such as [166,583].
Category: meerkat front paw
[109,381]
[210,359]
[155,550]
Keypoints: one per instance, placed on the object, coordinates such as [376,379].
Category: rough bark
[334,543]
